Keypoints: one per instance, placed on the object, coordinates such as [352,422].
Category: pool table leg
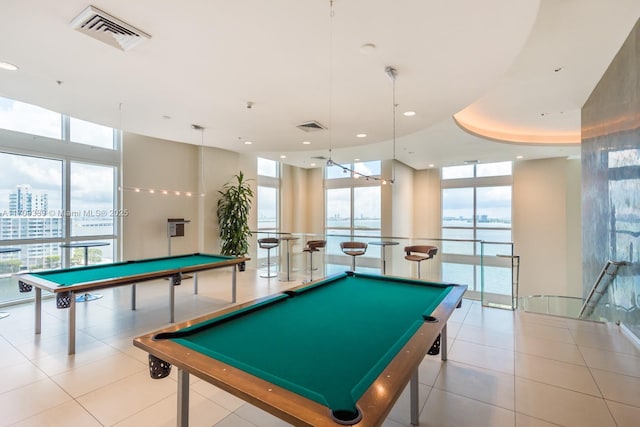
[183,398]
[443,343]
[72,324]
[38,310]
[233,283]
[133,296]
[195,283]
[172,299]
[414,395]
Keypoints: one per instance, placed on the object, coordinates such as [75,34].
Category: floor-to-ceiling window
[352,211]
[268,194]
[58,184]
[476,205]
[268,200]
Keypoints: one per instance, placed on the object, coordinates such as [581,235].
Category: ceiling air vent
[108,29]
[311,126]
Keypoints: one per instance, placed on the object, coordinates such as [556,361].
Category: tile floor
[504,369]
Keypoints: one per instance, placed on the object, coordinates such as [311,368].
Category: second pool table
[338,351]
[66,283]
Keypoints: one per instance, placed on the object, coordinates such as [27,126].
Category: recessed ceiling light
[306,142]
[519,157]
[361,135]
[7,66]
[409,113]
[431,165]
[356,160]
[283,157]
[313,164]
[248,142]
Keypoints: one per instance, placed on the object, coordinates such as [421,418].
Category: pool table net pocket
[158,368]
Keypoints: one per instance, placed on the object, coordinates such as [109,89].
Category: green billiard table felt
[71,276]
[328,343]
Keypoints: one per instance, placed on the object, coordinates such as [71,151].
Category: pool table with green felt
[65,283]
[336,351]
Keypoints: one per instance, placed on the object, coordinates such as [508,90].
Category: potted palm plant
[233,210]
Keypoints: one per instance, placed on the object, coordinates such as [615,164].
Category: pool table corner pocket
[158,368]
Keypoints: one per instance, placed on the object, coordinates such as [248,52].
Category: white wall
[151,163]
[427,209]
[160,164]
[546,222]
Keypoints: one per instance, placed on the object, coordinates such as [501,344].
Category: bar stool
[269,243]
[420,253]
[353,249]
[313,246]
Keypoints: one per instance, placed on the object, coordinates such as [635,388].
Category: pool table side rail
[292,407]
[394,378]
[47,285]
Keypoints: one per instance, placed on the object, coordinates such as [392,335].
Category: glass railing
[554,305]
[617,300]
[487,268]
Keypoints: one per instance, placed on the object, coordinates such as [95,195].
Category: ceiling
[515,71]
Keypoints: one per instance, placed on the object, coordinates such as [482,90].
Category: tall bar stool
[269,243]
[419,253]
[353,249]
[313,246]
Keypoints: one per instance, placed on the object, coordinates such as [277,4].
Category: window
[92,200]
[352,210]
[268,194]
[267,168]
[267,208]
[91,133]
[26,118]
[38,211]
[268,200]
[476,205]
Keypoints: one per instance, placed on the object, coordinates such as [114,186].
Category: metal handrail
[594,289]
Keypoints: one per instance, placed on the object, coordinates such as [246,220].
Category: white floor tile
[493,358]
[491,338]
[65,415]
[523,420]
[561,406]
[445,409]
[19,375]
[25,402]
[120,400]
[625,416]
[620,388]
[94,375]
[562,352]
[553,372]
[505,368]
[492,387]
[202,413]
[610,361]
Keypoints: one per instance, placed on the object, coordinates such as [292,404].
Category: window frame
[477,259]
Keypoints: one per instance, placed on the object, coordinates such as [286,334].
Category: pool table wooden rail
[375,404]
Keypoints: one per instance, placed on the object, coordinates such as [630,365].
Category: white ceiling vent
[108,29]
[311,126]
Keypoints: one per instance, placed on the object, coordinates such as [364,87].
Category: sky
[92,185]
